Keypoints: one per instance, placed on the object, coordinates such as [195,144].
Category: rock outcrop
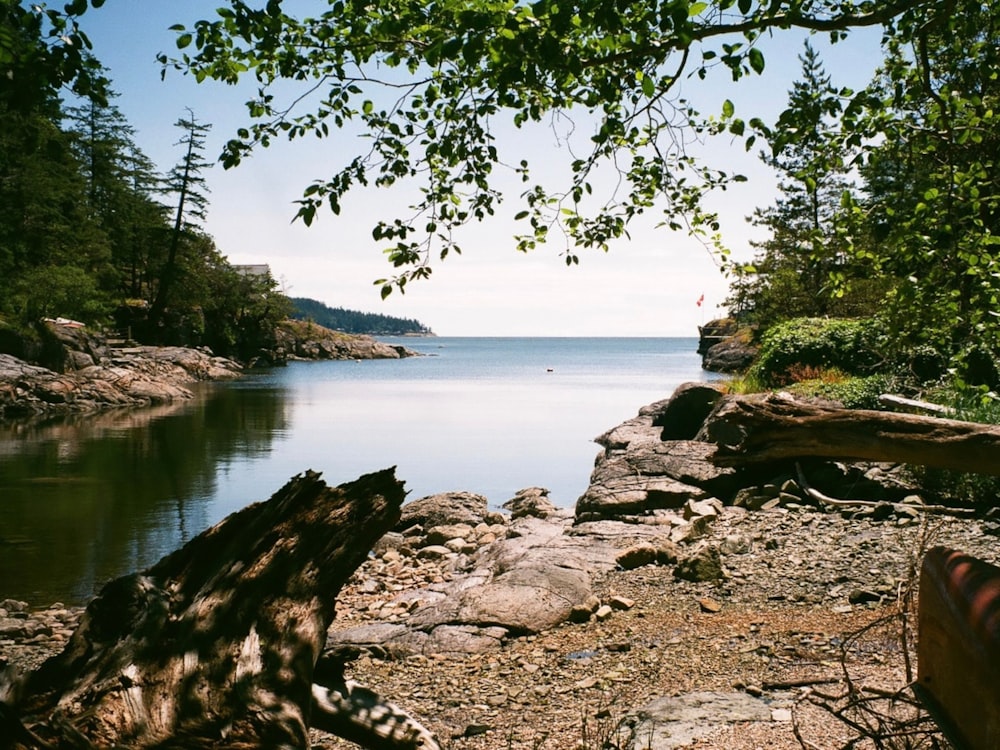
[642,478]
[296,339]
[725,347]
[140,376]
[77,371]
[475,578]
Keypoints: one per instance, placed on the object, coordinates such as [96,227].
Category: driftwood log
[216,646]
[755,429]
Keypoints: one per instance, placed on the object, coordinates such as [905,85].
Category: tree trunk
[751,429]
[215,646]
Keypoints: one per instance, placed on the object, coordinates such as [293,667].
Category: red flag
[700,300]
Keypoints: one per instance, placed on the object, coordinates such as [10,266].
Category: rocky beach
[679,605]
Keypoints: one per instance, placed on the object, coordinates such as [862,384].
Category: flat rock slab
[673,722]
[526,583]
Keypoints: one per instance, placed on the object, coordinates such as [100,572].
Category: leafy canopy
[427,83]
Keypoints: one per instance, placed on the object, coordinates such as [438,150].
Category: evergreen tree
[48,240]
[802,259]
[121,185]
[187,184]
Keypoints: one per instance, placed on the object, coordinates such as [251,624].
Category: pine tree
[121,187]
[186,182]
[796,265]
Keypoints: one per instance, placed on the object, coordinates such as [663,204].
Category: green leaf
[756,59]
[744,6]
[183,41]
[696,9]
[648,86]
[728,109]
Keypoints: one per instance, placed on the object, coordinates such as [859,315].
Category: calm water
[85,499]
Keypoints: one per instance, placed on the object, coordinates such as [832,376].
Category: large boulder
[531,501]
[445,509]
[527,582]
[715,331]
[686,411]
[617,490]
[734,354]
[725,346]
[640,473]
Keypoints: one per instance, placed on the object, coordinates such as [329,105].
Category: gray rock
[704,564]
[526,599]
[732,354]
[444,509]
[531,501]
[522,584]
[616,490]
[135,377]
[686,411]
[639,472]
[674,722]
[443,534]
[11,628]
[434,552]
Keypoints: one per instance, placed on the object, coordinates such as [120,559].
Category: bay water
[86,498]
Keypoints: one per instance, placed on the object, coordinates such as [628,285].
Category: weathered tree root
[216,646]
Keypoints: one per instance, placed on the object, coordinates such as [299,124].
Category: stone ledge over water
[89,375]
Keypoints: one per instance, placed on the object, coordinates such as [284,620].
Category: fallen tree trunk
[215,646]
[753,429]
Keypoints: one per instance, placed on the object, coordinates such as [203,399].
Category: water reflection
[84,498]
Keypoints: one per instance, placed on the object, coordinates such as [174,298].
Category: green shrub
[850,392]
[798,349]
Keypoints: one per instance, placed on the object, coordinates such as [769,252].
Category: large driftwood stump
[750,429]
[214,646]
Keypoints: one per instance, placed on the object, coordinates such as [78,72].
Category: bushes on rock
[849,392]
[803,348]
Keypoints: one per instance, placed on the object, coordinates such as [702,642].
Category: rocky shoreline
[678,605]
[86,373]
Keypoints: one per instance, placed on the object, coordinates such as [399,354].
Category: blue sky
[645,286]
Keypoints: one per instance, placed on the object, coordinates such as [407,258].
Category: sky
[647,285]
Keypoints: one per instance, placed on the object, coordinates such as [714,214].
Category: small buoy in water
[548,369]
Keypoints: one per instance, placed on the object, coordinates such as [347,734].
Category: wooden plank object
[958,647]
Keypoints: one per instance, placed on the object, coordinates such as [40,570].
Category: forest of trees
[352,321]
[91,231]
